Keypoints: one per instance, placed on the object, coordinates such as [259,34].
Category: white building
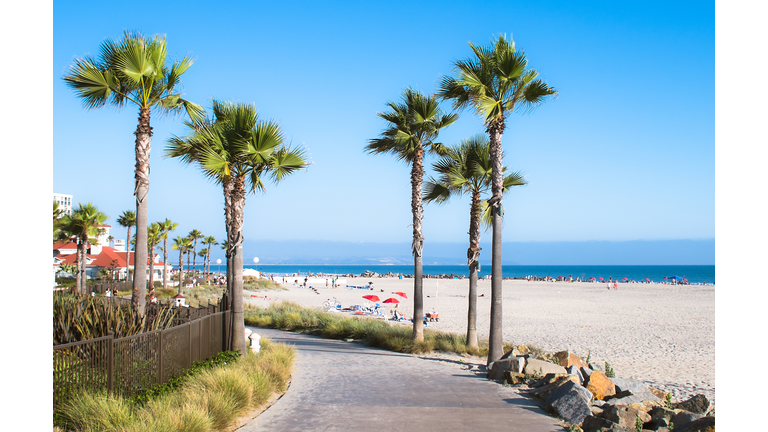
[65,203]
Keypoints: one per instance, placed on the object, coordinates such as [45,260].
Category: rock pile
[369,274]
[583,395]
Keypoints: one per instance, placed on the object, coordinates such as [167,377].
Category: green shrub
[210,399]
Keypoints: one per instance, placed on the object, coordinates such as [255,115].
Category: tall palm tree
[467,169]
[238,151]
[194,235]
[57,213]
[134,70]
[413,127]
[128,220]
[494,83]
[167,226]
[181,244]
[84,224]
[154,235]
[210,240]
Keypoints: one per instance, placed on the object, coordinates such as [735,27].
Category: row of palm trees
[493,83]
[234,148]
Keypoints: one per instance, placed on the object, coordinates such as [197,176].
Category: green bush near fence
[207,400]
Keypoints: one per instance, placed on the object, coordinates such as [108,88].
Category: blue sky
[625,152]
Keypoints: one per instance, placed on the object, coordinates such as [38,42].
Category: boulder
[544,391]
[698,404]
[547,379]
[600,385]
[574,370]
[586,372]
[624,384]
[513,377]
[512,364]
[541,367]
[632,398]
[624,416]
[567,358]
[683,418]
[659,393]
[570,401]
[703,424]
[518,351]
[595,424]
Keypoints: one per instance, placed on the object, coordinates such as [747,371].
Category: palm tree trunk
[143,142]
[473,254]
[238,324]
[165,262]
[228,185]
[194,257]
[495,343]
[417,178]
[79,275]
[181,268]
[128,273]
[152,272]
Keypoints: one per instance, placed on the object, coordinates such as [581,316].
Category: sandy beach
[660,334]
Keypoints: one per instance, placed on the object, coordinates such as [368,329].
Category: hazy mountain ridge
[639,252]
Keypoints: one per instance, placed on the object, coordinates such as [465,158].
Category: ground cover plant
[209,398]
[292,317]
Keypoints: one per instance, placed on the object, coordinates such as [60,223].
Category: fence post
[160,355]
[189,326]
[110,362]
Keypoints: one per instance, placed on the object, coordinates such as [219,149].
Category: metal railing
[132,364]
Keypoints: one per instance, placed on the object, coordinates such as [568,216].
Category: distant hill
[640,252]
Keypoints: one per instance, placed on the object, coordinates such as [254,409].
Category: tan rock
[520,350]
[600,385]
[659,394]
[567,359]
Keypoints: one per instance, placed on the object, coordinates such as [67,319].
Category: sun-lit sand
[661,334]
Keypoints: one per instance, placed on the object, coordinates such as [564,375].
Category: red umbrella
[626,278]
[601,278]
[371,297]
[391,300]
[647,280]
[401,294]
[685,280]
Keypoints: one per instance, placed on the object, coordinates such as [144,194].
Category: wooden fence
[129,365]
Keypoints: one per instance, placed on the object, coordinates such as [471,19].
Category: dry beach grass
[661,334]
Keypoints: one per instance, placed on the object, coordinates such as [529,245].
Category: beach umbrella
[647,280]
[685,280]
[626,278]
[371,297]
[592,278]
[601,278]
[401,294]
[391,300]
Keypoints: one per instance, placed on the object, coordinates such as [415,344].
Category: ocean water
[694,274]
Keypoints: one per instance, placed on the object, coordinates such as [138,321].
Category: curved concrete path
[340,386]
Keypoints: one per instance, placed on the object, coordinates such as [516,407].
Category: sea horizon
[654,273]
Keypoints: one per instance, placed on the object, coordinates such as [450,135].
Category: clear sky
[625,152]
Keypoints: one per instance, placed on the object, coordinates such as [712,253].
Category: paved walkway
[340,386]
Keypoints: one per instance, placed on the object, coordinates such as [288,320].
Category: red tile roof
[104,259]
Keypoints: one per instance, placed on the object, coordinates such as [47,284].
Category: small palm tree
[413,127]
[467,169]
[181,244]
[167,226]
[128,220]
[84,224]
[494,83]
[134,70]
[210,240]
[194,235]
[238,151]
[154,235]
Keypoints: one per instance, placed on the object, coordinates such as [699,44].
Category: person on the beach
[608,285]
[326,283]
[305,282]
[615,286]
